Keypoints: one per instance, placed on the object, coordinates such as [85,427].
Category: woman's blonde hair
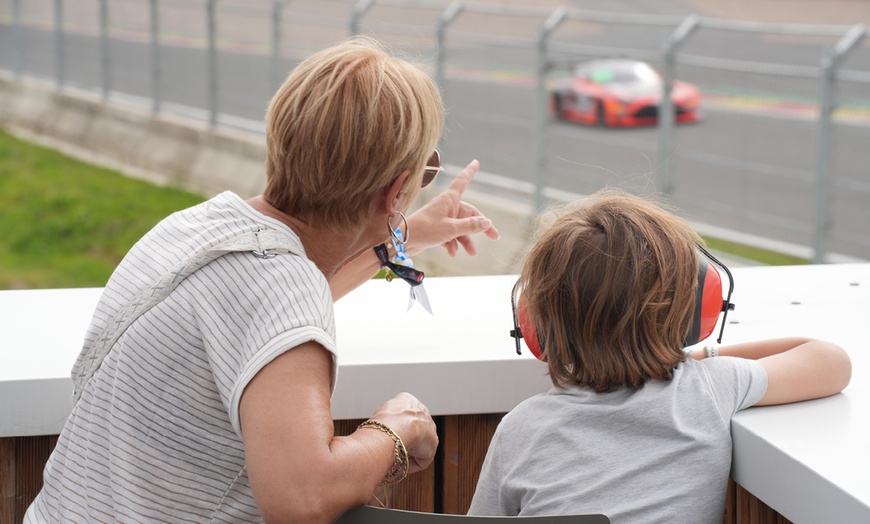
[610,286]
[346,122]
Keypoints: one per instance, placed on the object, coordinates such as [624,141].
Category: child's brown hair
[611,287]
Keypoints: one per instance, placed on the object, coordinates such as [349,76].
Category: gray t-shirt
[658,454]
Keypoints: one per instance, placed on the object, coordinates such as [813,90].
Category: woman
[214,404]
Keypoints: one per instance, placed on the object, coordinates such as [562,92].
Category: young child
[634,427]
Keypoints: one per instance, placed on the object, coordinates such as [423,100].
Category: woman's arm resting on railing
[298,469]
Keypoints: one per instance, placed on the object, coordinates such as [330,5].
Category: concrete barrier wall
[188,154]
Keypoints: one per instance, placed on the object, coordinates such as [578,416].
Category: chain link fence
[780,155]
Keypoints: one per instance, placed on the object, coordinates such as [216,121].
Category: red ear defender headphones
[708,305]
[708,299]
[523,324]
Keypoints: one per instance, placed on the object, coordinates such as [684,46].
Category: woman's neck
[328,249]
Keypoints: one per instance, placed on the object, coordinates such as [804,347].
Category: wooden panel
[22,460]
[466,439]
[730,508]
[7,480]
[464,442]
[33,453]
[416,493]
[750,510]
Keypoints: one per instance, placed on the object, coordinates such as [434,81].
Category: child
[633,428]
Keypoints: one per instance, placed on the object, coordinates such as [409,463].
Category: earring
[395,234]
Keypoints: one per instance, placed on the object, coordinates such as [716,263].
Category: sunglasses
[433,167]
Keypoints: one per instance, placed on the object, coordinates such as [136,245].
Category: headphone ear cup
[527,328]
[708,301]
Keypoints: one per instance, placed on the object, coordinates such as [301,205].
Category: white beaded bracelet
[711,351]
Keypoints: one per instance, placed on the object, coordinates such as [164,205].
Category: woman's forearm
[299,471]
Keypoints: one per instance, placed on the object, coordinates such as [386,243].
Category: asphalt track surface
[749,166]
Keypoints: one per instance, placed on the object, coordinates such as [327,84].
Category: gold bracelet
[399,470]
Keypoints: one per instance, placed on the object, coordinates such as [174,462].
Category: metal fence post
[666,105]
[155,56]
[59,62]
[827,76]
[275,77]
[541,103]
[104,47]
[212,64]
[358,11]
[18,38]
[446,18]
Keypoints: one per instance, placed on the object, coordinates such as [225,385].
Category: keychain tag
[403,267]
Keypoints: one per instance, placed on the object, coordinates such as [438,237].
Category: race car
[620,92]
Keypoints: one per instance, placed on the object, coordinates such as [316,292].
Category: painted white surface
[41,333]
[459,360]
[809,461]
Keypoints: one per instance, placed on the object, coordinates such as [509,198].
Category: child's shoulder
[545,406]
[729,379]
[724,365]
[533,405]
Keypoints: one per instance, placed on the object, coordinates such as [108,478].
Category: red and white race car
[620,92]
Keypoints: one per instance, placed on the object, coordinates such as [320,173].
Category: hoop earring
[397,237]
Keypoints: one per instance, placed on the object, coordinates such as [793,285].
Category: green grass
[65,223]
[762,256]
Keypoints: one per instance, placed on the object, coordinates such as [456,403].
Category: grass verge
[65,223]
[755,254]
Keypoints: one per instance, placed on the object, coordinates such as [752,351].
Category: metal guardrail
[546,46]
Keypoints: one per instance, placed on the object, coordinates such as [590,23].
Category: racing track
[750,172]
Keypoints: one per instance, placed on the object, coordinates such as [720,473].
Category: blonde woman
[214,404]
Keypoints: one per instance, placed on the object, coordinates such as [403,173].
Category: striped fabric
[155,436]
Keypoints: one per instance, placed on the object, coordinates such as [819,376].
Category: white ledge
[808,461]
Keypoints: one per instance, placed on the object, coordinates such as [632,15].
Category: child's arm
[797,368]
